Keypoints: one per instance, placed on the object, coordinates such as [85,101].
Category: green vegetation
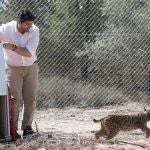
[103,45]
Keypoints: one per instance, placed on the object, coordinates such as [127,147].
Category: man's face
[25,26]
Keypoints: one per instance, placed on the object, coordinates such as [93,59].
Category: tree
[121,52]
[90,22]
[65,27]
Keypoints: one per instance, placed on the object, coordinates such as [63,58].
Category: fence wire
[92,53]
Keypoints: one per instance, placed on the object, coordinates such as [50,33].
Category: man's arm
[30,47]
[19,50]
[33,42]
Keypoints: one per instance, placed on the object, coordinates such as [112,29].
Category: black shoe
[28,131]
[18,136]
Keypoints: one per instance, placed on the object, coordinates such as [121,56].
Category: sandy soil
[70,129]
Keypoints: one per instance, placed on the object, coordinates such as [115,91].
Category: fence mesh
[92,53]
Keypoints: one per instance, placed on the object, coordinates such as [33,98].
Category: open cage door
[6,114]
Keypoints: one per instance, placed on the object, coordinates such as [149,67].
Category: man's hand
[8,46]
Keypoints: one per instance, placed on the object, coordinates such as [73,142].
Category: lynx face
[112,124]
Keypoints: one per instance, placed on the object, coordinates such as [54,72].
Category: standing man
[20,40]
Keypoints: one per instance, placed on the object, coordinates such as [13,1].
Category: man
[20,40]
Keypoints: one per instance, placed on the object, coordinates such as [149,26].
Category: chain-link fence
[92,53]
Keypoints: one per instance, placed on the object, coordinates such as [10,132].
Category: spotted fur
[112,124]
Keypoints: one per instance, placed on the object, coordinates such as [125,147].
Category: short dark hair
[25,15]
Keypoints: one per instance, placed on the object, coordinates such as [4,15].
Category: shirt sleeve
[33,41]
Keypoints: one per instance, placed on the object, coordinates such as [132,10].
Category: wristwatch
[14,47]
[4,45]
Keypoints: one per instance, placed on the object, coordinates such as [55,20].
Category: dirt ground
[70,129]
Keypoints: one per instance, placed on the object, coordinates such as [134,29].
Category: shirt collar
[16,30]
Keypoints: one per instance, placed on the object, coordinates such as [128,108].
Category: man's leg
[15,82]
[30,84]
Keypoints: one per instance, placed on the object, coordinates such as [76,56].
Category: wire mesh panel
[92,53]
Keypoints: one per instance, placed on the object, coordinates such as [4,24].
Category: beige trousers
[23,82]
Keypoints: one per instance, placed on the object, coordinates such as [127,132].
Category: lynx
[112,124]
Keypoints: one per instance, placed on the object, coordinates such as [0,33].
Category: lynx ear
[145,109]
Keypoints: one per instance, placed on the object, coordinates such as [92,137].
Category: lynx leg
[146,130]
[111,133]
[100,133]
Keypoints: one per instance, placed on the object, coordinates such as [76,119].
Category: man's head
[25,19]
